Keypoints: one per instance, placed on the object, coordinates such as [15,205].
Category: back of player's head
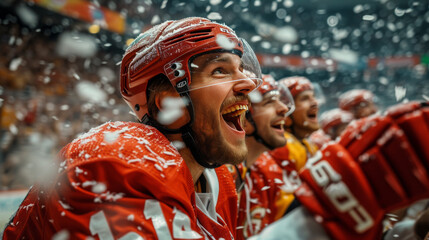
[331,119]
[354,97]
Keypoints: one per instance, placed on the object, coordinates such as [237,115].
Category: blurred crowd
[47,100]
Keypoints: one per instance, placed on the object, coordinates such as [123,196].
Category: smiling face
[269,118]
[220,102]
[305,115]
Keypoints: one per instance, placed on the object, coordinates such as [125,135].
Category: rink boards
[9,203]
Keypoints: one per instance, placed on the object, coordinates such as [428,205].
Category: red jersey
[264,198]
[124,181]
[319,138]
[289,168]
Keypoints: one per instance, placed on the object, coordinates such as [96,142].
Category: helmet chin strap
[255,133]
[292,130]
[186,131]
[188,135]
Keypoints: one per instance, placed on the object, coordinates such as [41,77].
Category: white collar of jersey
[207,201]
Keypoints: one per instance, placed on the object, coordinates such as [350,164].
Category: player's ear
[181,120]
[161,96]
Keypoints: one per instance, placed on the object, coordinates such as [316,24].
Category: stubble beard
[214,148]
[211,143]
[274,142]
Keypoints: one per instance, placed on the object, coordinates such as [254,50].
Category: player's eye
[218,71]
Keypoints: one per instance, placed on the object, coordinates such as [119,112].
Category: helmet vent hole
[200,38]
[176,65]
[194,36]
[179,73]
[202,31]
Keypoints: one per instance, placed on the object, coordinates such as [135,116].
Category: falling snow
[172,110]
[90,92]
[255,97]
[111,137]
[178,144]
[224,42]
[14,64]
[214,16]
[61,235]
[99,188]
[64,205]
[400,92]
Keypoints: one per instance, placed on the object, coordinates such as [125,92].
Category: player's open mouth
[233,116]
[279,125]
[312,115]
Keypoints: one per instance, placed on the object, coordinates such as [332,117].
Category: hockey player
[379,164]
[299,125]
[264,197]
[334,121]
[359,102]
[161,178]
[319,138]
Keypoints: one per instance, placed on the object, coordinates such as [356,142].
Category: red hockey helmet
[297,84]
[334,117]
[271,89]
[168,49]
[354,97]
[268,84]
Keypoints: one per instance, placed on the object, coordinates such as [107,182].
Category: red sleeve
[380,164]
[264,199]
[137,185]
[108,198]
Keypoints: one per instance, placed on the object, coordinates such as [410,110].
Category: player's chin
[280,142]
[313,126]
[316,127]
[276,141]
[237,154]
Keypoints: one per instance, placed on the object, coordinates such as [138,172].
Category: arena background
[59,62]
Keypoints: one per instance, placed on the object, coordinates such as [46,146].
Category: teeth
[280,123]
[238,108]
[238,113]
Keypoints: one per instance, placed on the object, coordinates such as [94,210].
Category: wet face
[220,108]
[364,109]
[269,118]
[305,114]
